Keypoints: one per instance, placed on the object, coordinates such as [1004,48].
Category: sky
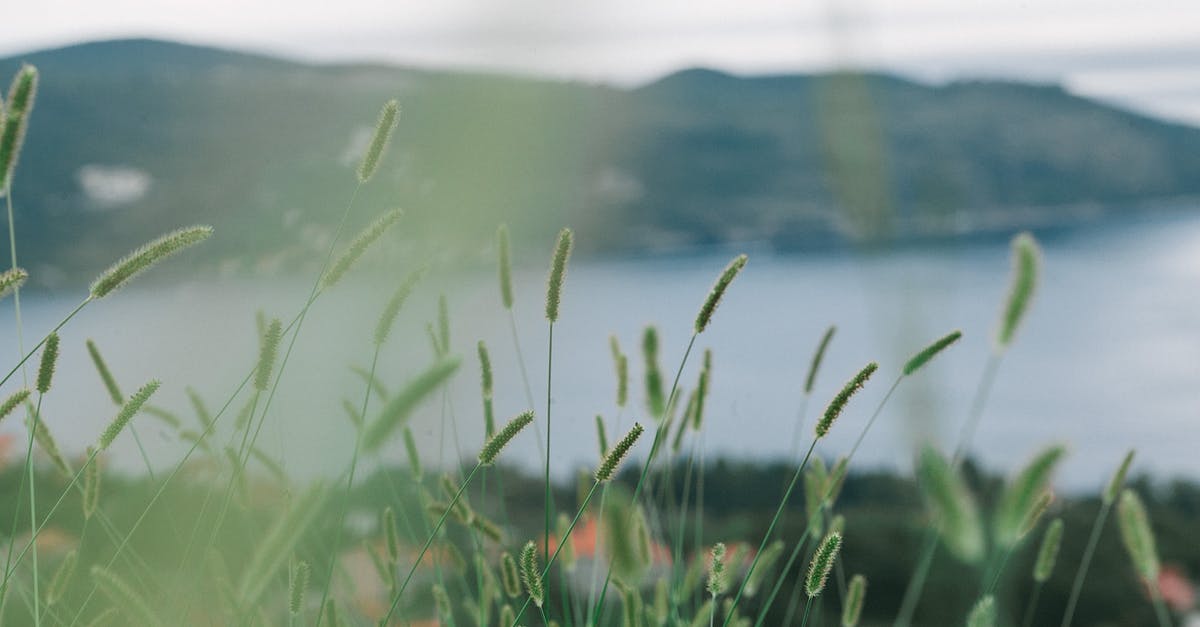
[1144,55]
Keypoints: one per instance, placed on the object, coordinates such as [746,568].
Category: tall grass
[250,544]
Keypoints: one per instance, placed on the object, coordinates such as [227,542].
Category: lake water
[1108,358]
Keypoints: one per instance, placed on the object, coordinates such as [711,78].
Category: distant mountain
[130,138]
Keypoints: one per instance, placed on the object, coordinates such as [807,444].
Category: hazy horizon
[1143,57]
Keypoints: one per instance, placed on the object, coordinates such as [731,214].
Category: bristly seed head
[1118,479]
[718,577]
[835,407]
[504,255]
[531,574]
[1048,552]
[268,350]
[558,273]
[131,407]
[12,280]
[931,351]
[365,238]
[608,466]
[718,290]
[14,121]
[297,586]
[146,256]
[817,358]
[402,404]
[12,401]
[984,613]
[487,456]
[1138,537]
[510,578]
[110,383]
[822,563]
[49,359]
[855,595]
[379,141]
[392,309]
[1026,261]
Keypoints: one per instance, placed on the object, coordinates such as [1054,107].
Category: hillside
[133,137]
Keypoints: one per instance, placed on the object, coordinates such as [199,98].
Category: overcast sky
[1141,53]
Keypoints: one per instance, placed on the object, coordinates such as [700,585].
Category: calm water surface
[1109,357]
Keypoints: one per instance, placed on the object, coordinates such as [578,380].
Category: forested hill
[130,138]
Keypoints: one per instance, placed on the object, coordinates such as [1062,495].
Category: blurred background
[873,159]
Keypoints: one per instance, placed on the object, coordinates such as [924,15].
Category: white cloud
[112,186]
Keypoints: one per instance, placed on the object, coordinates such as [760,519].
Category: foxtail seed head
[443,323]
[62,576]
[504,258]
[531,574]
[379,141]
[10,403]
[817,358]
[91,484]
[1035,513]
[835,407]
[485,370]
[127,412]
[11,280]
[558,273]
[931,351]
[144,257]
[124,597]
[952,505]
[1048,552]
[1021,497]
[110,383]
[487,456]
[297,586]
[365,238]
[268,351]
[718,578]
[392,309]
[717,292]
[822,563]
[655,399]
[46,368]
[984,613]
[601,436]
[400,406]
[1026,260]
[510,578]
[855,595]
[14,121]
[1138,536]
[608,466]
[389,534]
[1118,479]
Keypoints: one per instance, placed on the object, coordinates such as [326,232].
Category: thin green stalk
[912,594]
[429,541]
[1032,604]
[807,607]
[548,506]
[37,599]
[1085,563]
[512,325]
[32,351]
[337,535]
[637,490]
[787,495]
[1160,609]
[808,527]
[558,549]
[247,446]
